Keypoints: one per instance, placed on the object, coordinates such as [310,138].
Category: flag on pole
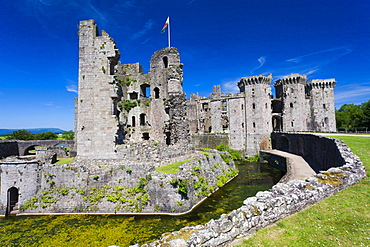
[165,25]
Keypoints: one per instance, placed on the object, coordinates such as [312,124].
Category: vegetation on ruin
[129,104]
[171,168]
[340,220]
[63,161]
[235,154]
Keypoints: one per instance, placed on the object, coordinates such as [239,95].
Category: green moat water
[105,230]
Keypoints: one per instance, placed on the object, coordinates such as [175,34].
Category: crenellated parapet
[321,83]
[254,80]
[293,78]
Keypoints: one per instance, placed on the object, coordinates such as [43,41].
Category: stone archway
[284,144]
[12,201]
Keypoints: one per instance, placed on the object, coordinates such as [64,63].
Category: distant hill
[33,131]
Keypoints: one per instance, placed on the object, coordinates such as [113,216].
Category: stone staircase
[15,209]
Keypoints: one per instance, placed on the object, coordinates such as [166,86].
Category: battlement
[293,78]
[253,80]
[321,83]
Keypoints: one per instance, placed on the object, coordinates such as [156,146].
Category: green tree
[46,136]
[70,135]
[365,121]
[20,135]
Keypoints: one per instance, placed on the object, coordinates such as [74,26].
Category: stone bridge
[19,147]
[319,152]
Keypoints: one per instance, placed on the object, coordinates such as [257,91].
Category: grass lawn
[340,220]
[171,168]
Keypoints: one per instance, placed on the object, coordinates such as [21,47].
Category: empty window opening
[291,105]
[205,106]
[292,124]
[133,95]
[168,138]
[242,106]
[133,122]
[142,119]
[324,106]
[254,106]
[254,125]
[165,61]
[145,90]
[146,136]
[266,105]
[115,110]
[156,93]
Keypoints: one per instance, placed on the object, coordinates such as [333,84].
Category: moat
[105,230]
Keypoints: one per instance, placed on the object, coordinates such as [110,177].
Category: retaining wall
[281,200]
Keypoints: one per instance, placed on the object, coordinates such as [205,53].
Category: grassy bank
[340,220]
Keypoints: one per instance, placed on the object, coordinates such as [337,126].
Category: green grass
[171,168]
[63,161]
[340,220]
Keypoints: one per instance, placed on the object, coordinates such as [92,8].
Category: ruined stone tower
[96,113]
[290,104]
[320,93]
[257,105]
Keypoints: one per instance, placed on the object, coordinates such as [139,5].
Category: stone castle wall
[111,186]
[8,148]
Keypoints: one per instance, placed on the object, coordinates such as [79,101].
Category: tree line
[351,117]
[27,135]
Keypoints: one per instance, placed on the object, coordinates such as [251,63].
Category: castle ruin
[120,110]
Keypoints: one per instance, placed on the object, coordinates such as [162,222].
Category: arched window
[165,61]
[156,93]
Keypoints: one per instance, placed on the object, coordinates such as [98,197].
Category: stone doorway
[12,201]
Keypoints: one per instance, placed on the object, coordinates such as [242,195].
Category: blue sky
[219,42]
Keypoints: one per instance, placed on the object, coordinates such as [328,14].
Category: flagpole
[169,33]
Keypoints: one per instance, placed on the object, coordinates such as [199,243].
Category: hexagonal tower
[96,111]
[294,107]
[257,105]
[321,101]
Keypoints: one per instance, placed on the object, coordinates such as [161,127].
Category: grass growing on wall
[63,161]
[340,220]
[171,168]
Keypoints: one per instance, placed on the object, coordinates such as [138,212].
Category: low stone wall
[209,140]
[269,206]
[108,186]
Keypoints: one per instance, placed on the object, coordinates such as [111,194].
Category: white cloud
[352,94]
[72,86]
[231,86]
[147,26]
[261,61]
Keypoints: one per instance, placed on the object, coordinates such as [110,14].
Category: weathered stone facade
[118,105]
